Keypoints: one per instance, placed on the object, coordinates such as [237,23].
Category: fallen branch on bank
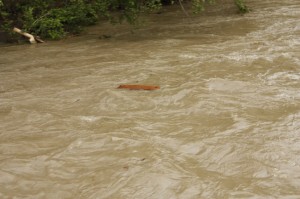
[32,39]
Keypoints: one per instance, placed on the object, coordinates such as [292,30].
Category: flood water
[224,124]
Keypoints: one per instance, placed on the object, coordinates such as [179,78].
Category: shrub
[50,19]
[55,18]
[242,6]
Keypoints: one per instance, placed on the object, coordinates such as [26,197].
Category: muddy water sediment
[224,123]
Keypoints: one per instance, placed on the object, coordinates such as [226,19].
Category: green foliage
[153,5]
[56,18]
[50,27]
[199,5]
[242,6]
[49,19]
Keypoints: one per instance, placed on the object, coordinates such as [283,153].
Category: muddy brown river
[225,122]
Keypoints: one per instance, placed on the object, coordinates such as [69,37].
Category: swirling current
[225,122]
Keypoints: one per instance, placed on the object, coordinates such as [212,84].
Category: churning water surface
[225,123]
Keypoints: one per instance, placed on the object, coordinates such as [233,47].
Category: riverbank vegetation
[54,19]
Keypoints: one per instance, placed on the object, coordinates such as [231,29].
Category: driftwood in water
[32,39]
